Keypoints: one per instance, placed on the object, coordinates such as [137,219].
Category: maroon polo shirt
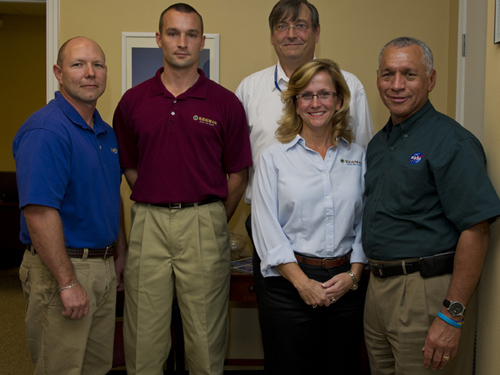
[182,147]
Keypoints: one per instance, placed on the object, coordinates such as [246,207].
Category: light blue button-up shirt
[302,203]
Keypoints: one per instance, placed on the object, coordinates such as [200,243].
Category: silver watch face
[456,308]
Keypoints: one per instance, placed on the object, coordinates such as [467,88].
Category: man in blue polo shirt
[428,207]
[68,177]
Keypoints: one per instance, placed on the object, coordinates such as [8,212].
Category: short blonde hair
[291,123]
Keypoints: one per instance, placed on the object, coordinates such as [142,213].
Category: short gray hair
[405,41]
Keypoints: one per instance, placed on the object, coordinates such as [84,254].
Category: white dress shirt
[302,203]
[263,106]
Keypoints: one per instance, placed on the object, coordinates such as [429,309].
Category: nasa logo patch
[416,158]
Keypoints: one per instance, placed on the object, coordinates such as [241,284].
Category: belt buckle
[107,248]
[378,270]
[175,205]
[323,263]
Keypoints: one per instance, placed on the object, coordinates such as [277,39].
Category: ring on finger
[446,357]
[333,299]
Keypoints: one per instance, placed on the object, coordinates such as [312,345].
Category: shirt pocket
[414,191]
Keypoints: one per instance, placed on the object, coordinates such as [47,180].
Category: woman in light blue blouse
[307,206]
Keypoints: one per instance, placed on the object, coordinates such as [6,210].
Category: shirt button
[175,101]
[329,220]
[330,243]
[328,197]
[406,135]
[172,113]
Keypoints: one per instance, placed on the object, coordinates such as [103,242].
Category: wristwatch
[454,307]
[354,280]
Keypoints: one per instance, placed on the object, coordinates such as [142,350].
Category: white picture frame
[497,22]
[141,58]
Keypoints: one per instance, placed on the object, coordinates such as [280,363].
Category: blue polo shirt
[63,163]
[426,183]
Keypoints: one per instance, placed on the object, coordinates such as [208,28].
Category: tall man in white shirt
[295,31]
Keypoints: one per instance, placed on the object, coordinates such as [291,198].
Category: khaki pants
[183,251]
[59,345]
[398,312]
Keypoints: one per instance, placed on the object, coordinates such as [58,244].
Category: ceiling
[26,8]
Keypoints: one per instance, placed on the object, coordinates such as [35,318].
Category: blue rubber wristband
[450,321]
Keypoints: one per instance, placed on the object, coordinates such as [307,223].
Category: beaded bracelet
[452,322]
[68,287]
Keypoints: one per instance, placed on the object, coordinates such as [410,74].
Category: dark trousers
[257,275]
[299,339]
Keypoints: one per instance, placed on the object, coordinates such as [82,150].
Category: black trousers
[301,340]
[257,275]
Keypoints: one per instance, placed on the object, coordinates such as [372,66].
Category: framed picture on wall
[141,58]
[497,21]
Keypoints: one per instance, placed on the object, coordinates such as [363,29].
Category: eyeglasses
[299,28]
[322,96]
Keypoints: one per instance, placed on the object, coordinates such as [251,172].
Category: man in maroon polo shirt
[185,149]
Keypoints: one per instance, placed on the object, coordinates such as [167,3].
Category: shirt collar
[295,141]
[198,90]
[280,76]
[298,140]
[410,121]
[76,118]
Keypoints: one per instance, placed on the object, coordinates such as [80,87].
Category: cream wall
[22,77]
[488,344]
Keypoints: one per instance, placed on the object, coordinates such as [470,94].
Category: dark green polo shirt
[426,182]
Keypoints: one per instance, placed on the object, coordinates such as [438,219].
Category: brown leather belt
[404,267]
[72,252]
[326,263]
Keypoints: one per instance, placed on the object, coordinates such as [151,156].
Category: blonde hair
[291,123]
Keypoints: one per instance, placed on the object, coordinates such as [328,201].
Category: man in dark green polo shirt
[429,204]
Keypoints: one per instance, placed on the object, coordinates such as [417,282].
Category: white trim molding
[52,46]
[462,33]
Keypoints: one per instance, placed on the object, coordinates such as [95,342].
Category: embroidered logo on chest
[351,162]
[204,120]
[416,158]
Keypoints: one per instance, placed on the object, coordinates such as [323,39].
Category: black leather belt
[429,266]
[72,252]
[325,263]
[186,205]
[390,270]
